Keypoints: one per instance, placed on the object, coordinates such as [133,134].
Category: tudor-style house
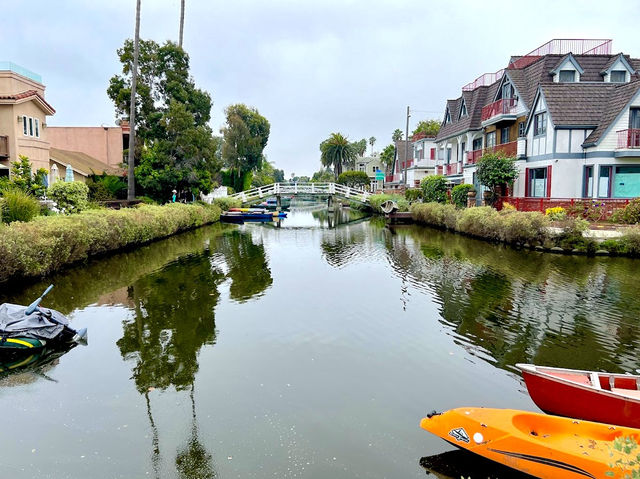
[569,111]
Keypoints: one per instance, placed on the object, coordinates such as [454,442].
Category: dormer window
[618,76]
[447,117]
[463,109]
[567,76]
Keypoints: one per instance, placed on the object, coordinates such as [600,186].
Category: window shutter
[549,181]
[433,153]
[526,182]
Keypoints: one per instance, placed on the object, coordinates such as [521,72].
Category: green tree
[324,175]
[23,178]
[428,127]
[355,179]
[397,135]
[267,175]
[459,194]
[337,152]
[245,136]
[360,147]
[176,147]
[496,171]
[387,156]
[434,188]
[372,142]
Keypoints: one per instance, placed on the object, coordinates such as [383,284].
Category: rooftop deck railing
[13,67]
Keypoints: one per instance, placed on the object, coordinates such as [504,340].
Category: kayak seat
[580,378]
[604,382]
[632,393]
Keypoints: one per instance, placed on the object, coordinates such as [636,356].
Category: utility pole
[131,181]
[406,152]
[181,23]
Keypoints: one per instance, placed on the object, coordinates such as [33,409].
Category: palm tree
[372,140]
[131,187]
[181,22]
[336,152]
[397,135]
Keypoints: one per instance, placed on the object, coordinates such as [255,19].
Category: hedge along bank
[49,243]
[523,229]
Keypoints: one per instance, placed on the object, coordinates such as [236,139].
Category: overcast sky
[310,67]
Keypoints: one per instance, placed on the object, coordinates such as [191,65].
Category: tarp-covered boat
[31,327]
[594,396]
[537,444]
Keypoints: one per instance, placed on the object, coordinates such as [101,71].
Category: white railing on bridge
[320,189]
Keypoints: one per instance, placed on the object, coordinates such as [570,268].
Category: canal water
[310,349]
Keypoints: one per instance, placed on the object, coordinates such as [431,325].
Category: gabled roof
[82,163]
[474,100]
[567,58]
[27,95]
[620,97]
[625,61]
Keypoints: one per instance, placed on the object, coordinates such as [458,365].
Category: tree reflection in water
[175,317]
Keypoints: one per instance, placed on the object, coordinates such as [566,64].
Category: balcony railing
[393,178]
[509,149]
[4,146]
[452,168]
[473,156]
[439,169]
[500,107]
[629,138]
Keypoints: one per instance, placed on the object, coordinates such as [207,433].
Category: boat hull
[566,397]
[536,444]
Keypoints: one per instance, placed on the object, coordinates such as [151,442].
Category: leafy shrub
[355,179]
[459,195]
[107,187]
[19,206]
[434,188]
[47,244]
[413,194]
[147,200]
[521,227]
[591,210]
[630,214]
[557,213]
[481,221]
[376,200]
[226,203]
[70,197]
[496,169]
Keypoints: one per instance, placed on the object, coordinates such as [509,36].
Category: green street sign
[379,175]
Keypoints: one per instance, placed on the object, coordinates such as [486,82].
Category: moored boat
[28,328]
[594,396]
[537,444]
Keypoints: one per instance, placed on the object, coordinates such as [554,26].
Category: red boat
[593,396]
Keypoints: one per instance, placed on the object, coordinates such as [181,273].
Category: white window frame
[624,76]
[573,80]
[540,128]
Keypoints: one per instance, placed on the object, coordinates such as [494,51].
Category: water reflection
[463,464]
[520,306]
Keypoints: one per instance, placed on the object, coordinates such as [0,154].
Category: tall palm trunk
[131,187]
[181,22]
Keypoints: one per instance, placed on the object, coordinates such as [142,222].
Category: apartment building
[420,162]
[569,111]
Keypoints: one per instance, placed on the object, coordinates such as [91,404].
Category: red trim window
[549,181]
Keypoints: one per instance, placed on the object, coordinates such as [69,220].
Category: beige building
[23,118]
[24,132]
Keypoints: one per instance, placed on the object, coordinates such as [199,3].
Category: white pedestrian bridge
[329,190]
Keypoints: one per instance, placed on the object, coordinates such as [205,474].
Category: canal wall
[525,229]
[50,243]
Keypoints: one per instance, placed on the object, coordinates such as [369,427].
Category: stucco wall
[102,143]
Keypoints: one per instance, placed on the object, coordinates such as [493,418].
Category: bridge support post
[330,202]
[278,202]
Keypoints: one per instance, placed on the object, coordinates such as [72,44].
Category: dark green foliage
[459,194]
[266,175]
[47,244]
[176,148]
[630,214]
[355,179]
[428,127]
[106,187]
[434,188]
[387,156]
[360,147]
[337,153]
[325,175]
[413,194]
[18,205]
[245,133]
[495,170]
[23,179]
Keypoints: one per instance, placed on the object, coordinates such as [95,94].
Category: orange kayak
[537,444]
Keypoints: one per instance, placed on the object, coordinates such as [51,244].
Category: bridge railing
[302,188]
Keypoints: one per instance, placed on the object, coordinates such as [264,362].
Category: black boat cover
[14,323]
